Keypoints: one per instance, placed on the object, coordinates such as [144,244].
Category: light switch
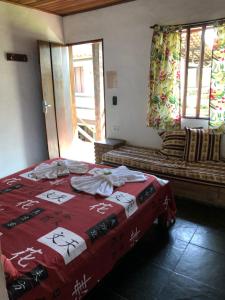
[114,100]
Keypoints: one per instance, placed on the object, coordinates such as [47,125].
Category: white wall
[127,41]
[22,131]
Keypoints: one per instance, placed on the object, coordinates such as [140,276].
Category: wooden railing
[81,122]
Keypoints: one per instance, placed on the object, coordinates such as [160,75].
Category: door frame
[103,65]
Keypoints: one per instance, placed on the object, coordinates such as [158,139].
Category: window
[196,59]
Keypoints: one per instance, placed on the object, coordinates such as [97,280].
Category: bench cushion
[151,160]
[202,145]
[173,144]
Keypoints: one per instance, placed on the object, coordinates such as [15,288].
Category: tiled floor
[187,263]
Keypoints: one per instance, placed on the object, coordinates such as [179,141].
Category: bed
[62,242]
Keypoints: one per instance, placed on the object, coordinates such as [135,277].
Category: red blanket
[63,242]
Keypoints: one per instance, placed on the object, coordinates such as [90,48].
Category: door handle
[45,106]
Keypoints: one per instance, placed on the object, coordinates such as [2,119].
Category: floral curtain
[164,102]
[217,85]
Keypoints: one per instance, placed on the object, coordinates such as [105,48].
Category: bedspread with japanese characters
[62,242]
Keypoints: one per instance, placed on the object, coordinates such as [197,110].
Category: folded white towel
[51,171]
[59,168]
[77,166]
[104,180]
[121,172]
[93,185]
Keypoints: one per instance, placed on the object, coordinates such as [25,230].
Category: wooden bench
[203,181]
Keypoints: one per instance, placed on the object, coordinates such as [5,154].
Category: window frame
[201,62]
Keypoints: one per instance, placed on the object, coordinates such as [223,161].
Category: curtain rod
[195,23]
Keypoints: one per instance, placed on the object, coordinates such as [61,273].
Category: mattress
[62,242]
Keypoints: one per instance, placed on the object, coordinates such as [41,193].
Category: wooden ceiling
[66,7]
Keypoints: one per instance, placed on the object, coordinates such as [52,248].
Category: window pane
[182,67]
[193,71]
[206,73]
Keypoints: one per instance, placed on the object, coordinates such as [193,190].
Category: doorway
[88,98]
[73,98]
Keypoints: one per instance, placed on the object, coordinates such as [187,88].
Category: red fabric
[43,273]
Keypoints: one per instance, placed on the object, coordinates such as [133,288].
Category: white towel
[121,172]
[104,180]
[93,185]
[51,171]
[77,166]
[59,168]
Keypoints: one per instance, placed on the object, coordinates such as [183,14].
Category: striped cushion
[202,145]
[173,143]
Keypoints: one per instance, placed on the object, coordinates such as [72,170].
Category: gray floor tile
[169,256]
[103,293]
[180,287]
[213,239]
[183,230]
[203,265]
[144,282]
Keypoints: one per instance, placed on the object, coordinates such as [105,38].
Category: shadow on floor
[188,262]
